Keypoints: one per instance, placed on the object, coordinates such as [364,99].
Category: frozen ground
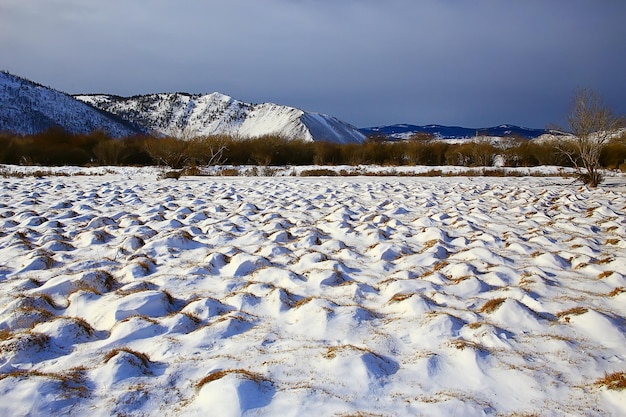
[124,295]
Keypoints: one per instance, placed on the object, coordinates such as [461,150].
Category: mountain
[185,115]
[404,131]
[28,108]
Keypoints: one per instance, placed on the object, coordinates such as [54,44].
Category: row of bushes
[57,147]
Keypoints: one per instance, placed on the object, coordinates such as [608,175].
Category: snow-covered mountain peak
[182,114]
[29,108]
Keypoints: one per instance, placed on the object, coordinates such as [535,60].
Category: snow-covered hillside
[27,108]
[186,115]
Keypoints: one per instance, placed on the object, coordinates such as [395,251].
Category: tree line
[56,147]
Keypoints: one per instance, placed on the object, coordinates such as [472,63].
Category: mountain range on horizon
[27,107]
[441,132]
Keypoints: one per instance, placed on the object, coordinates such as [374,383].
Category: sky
[471,63]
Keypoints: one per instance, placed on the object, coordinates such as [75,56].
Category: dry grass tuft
[492,305]
[145,360]
[440,265]
[169,297]
[575,311]
[615,381]
[24,341]
[602,261]
[82,287]
[467,344]
[216,375]
[399,297]
[331,352]
[228,172]
[20,373]
[195,319]
[38,301]
[106,279]
[429,245]
[605,274]
[72,382]
[302,302]
[5,334]
[83,324]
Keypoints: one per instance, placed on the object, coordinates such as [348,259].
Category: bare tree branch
[592,124]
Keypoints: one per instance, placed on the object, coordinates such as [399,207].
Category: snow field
[123,295]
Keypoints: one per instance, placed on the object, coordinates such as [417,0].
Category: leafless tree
[210,150]
[109,151]
[171,152]
[592,124]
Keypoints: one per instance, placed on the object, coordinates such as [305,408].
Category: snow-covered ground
[121,294]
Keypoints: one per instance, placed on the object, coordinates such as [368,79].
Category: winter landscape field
[125,295]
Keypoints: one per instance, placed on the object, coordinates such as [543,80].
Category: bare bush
[592,124]
[170,152]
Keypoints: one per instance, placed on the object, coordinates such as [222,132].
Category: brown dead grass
[429,245]
[84,288]
[23,374]
[440,265]
[602,261]
[5,334]
[574,311]
[216,375]
[195,319]
[399,297]
[145,360]
[467,344]
[72,381]
[331,352]
[492,305]
[82,323]
[615,381]
[605,274]
[302,302]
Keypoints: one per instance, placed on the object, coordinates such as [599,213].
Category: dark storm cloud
[472,63]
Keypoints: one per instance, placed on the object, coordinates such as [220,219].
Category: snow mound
[123,295]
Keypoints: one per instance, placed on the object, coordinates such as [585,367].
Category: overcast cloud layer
[473,63]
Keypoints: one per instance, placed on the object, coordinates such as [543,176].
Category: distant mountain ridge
[405,131]
[27,108]
[188,115]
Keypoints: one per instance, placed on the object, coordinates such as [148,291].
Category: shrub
[318,173]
